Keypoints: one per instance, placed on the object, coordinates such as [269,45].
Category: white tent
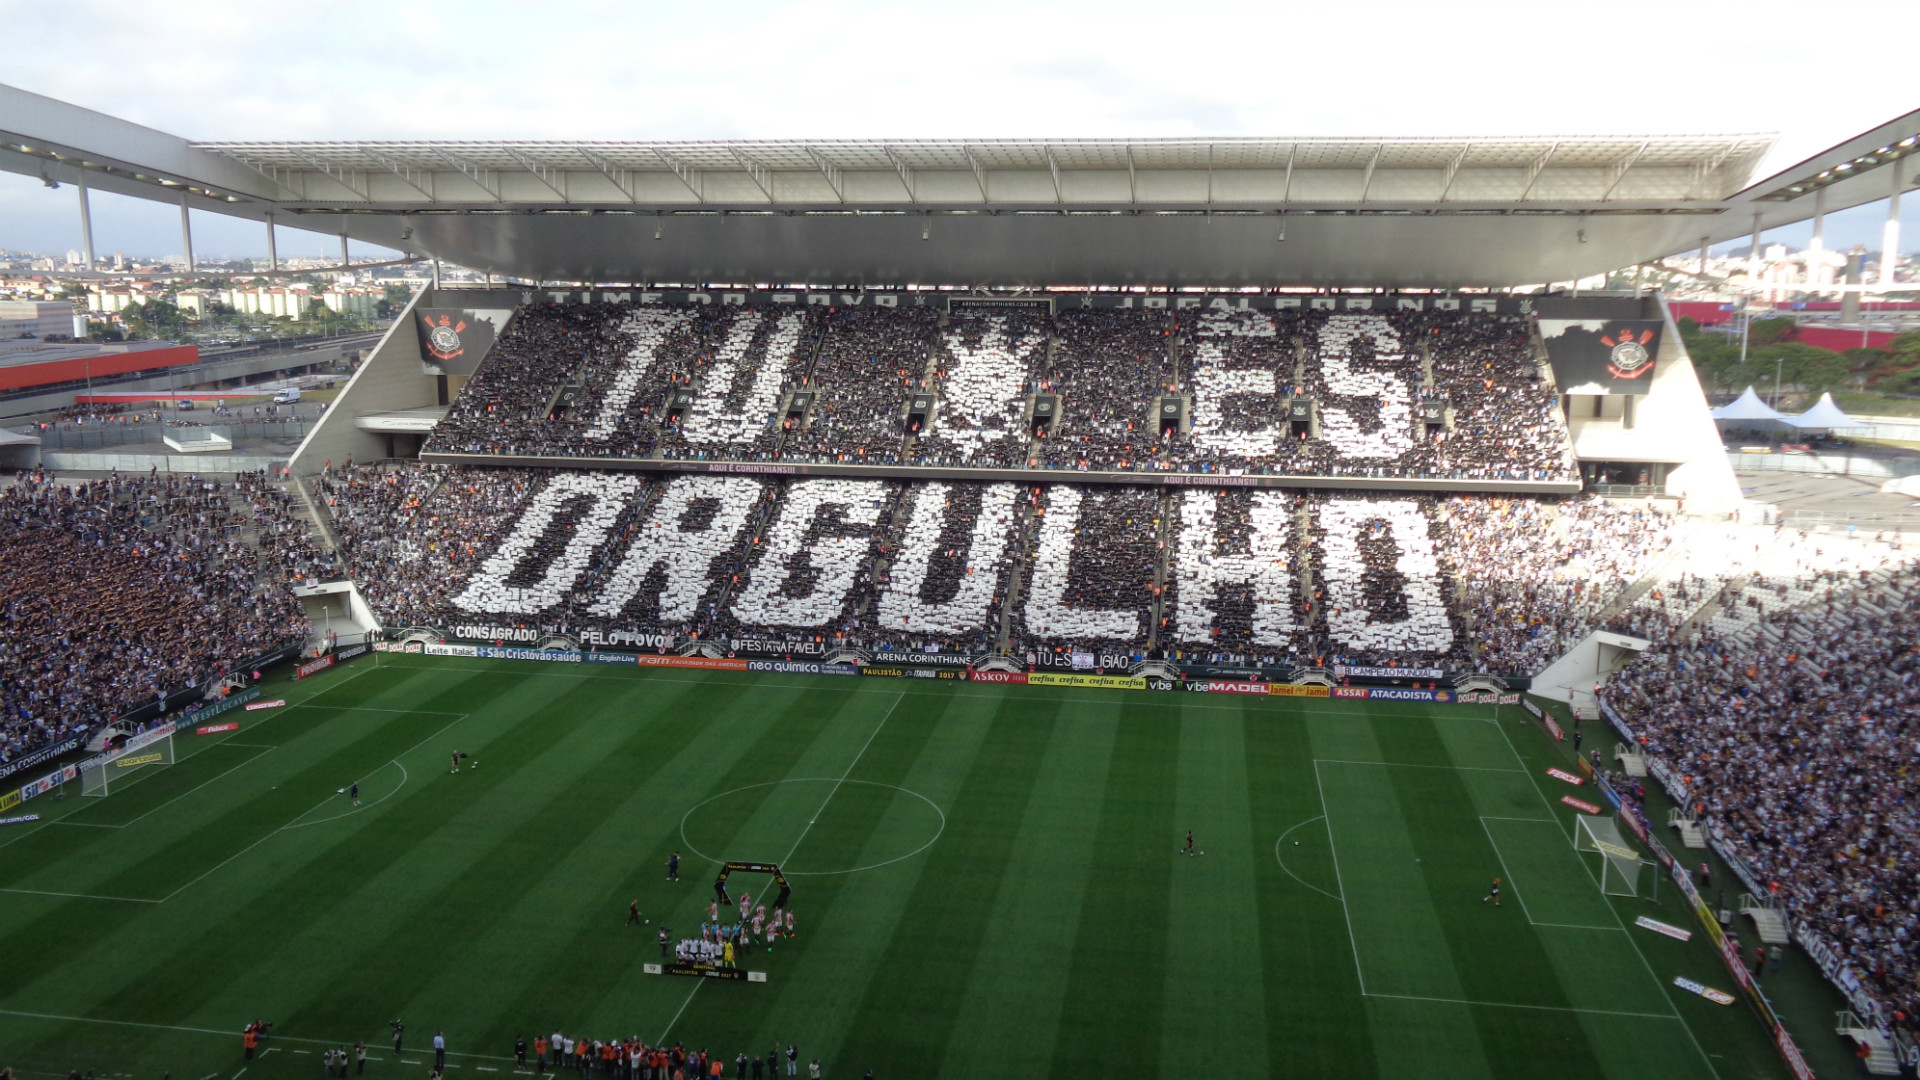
[1824,416]
[1748,407]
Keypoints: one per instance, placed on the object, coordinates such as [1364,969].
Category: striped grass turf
[986,879]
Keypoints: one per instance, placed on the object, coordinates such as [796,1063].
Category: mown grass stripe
[1018,986]
[1312,1022]
[906,1019]
[1114,1009]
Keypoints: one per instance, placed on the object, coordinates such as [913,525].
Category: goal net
[1620,864]
[150,750]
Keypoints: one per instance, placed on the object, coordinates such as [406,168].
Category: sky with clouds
[213,69]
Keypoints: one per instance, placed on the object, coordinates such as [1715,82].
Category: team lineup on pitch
[961,858]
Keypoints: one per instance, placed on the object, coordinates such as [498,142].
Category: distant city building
[36,319]
[358,303]
[274,303]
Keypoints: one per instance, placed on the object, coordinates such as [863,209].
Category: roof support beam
[622,178]
[979,172]
[344,176]
[1209,174]
[404,172]
[1053,167]
[1133,184]
[906,174]
[1618,170]
[1373,163]
[488,179]
[754,172]
[1286,189]
[688,175]
[541,171]
[1534,170]
[1453,170]
[835,179]
[1705,168]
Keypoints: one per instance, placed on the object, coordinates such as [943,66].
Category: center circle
[927,821]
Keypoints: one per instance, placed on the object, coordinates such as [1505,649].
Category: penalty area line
[1537,1008]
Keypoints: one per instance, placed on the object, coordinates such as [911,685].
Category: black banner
[1379,303]
[780,647]
[1602,356]
[453,341]
[706,971]
[987,305]
[40,756]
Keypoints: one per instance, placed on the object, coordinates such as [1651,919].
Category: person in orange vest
[250,1039]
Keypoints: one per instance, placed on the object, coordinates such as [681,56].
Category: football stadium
[959,608]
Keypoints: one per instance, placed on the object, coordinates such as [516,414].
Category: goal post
[1620,876]
[1621,867]
[148,750]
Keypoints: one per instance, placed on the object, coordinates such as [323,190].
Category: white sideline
[1684,1026]
[1541,1008]
[212,1031]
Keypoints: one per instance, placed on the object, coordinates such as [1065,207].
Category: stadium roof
[1012,173]
[1174,212]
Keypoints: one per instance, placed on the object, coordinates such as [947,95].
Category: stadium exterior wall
[389,379]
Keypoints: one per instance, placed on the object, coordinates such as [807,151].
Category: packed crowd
[117,592]
[1093,556]
[1538,573]
[1506,420]
[1402,394]
[1232,592]
[1241,368]
[505,407]
[986,369]
[944,581]
[1110,367]
[1253,576]
[814,569]
[1797,740]
[411,533]
[871,361]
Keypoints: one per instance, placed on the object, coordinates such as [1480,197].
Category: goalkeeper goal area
[150,750]
[1621,868]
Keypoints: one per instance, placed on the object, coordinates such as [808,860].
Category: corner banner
[1596,356]
[453,341]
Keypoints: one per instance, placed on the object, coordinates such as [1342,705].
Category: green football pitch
[987,881]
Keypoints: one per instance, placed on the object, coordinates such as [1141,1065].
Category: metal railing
[69,436]
[1862,518]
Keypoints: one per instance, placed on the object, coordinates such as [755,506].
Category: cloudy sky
[210,69]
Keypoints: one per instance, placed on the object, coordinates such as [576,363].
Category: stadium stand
[124,590]
[597,381]
[1782,729]
[870,360]
[989,364]
[1472,583]
[1108,368]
